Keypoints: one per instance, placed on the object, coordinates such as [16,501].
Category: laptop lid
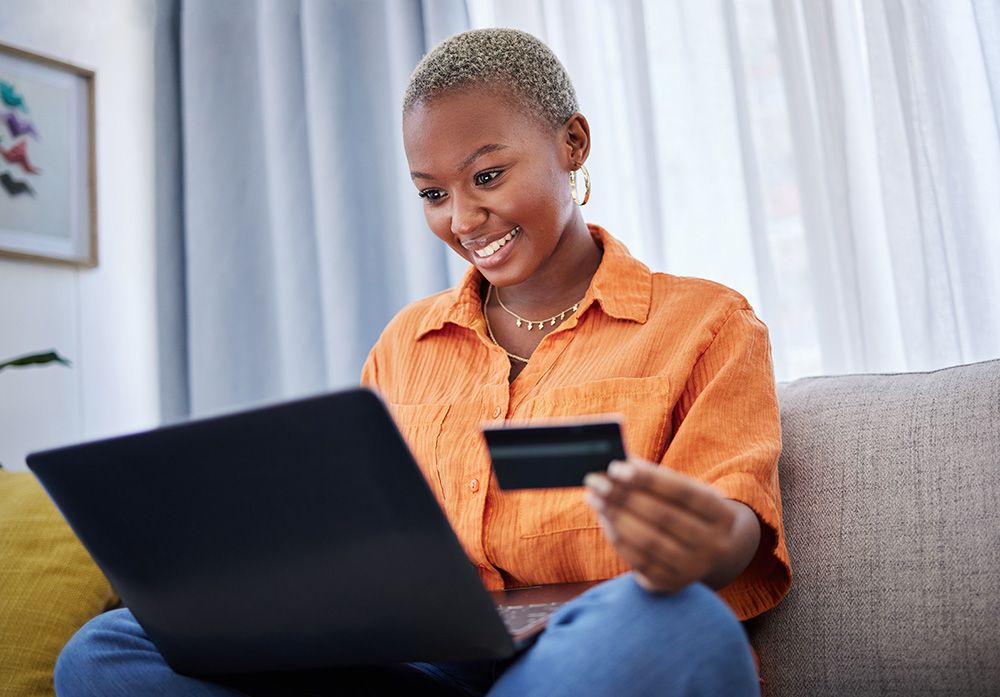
[294,536]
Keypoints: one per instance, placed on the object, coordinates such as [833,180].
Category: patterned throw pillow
[49,586]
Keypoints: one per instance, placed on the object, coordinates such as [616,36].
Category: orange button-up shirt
[684,361]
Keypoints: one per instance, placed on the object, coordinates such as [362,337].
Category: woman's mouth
[496,251]
[492,248]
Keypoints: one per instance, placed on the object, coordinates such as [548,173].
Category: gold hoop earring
[572,186]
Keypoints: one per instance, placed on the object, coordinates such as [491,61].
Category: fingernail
[597,483]
[621,470]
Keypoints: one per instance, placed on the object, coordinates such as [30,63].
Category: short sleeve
[727,432]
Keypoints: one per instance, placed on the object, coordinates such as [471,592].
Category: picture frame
[48,182]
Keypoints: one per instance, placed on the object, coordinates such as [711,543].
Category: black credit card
[532,457]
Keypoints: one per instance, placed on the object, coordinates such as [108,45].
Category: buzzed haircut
[504,59]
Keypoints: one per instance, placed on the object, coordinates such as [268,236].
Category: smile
[492,248]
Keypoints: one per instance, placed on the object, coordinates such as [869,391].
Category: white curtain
[836,162]
[301,234]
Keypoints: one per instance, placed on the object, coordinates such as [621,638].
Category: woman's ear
[576,140]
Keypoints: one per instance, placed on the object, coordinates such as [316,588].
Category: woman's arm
[745,540]
[678,521]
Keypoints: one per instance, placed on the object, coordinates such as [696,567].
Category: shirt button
[474,486]
[496,412]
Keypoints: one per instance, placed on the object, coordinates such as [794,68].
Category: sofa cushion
[891,489]
[49,586]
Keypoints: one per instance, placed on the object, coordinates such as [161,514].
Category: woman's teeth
[491,249]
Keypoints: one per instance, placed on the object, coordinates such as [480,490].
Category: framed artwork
[48,198]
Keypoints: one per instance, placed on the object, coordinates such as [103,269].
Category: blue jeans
[615,639]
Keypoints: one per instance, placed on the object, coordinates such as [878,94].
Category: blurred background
[836,162]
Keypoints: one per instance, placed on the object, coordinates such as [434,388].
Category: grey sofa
[891,495]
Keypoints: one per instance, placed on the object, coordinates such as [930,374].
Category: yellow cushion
[49,586]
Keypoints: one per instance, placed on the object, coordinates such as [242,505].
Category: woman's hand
[672,529]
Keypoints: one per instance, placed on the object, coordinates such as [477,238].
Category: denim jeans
[615,639]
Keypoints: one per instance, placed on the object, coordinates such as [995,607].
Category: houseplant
[33,359]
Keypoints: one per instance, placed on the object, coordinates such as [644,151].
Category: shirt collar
[622,286]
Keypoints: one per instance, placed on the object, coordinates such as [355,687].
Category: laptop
[295,536]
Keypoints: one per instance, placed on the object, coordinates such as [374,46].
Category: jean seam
[444,675]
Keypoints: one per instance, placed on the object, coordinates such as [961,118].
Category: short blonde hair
[496,58]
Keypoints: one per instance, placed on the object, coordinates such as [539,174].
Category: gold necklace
[521,320]
[489,329]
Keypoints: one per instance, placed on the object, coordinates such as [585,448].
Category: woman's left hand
[670,528]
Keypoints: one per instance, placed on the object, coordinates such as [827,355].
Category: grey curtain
[289,233]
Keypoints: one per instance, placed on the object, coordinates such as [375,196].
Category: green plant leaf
[34,359]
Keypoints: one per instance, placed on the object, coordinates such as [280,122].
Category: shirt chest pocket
[421,426]
[643,405]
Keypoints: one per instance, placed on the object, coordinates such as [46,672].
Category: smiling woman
[554,318]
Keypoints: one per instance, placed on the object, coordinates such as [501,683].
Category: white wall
[102,319]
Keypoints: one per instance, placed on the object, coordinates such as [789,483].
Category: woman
[554,318]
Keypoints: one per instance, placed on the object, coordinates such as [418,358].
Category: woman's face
[493,179]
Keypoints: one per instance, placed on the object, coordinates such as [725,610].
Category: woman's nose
[466,216]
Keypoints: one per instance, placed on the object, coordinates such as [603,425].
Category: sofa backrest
[891,496]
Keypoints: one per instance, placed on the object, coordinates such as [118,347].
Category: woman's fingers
[679,523]
[689,526]
[682,491]
[655,571]
[639,534]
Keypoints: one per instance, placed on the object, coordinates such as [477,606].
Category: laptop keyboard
[521,617]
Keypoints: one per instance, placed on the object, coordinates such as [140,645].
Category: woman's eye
[432,195]
[487,177]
